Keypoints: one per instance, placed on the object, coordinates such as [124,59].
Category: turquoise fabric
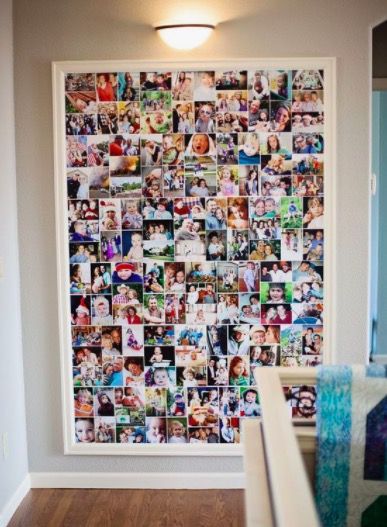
[333,443]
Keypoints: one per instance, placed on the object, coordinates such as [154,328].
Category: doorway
[378,259]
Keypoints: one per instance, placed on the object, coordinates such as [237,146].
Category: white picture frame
[59,70]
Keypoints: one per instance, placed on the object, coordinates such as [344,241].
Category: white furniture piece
[278,487]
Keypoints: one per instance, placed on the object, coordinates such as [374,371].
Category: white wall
[47,30]
[13,468]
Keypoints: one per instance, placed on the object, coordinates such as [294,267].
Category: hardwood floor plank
[130,508]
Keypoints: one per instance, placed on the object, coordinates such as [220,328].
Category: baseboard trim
[137,480]
[15,500]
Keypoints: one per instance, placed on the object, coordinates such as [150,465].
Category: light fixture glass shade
[185,36]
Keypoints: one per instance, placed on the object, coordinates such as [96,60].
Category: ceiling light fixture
[185,36]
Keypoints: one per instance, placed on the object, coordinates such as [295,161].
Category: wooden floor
[130,508]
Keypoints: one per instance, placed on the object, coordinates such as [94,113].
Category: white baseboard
[15,500]
[137,480]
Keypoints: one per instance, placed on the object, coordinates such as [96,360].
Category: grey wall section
[379,51]
[12,414]
[48,30]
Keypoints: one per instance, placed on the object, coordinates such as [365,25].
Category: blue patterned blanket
[351,475]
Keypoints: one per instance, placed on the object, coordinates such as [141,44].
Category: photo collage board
[195,210]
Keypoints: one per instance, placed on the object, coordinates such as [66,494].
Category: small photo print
[204,86]
[308,101]
[104,402]
[177,430]
[279,314]
[82,82]
[313,213]
[302,401]
[308,79]
[308,122]
[250,405]
[155,81]
[291,346]
[99,182]
[276,165]
[176,405]
[217,340]
[216,245]
[156,402]
[311,362]
[154,101]
[203,434]
[183,117]
[182,85]
[130,434]
[159,122]
[264,356]
[160,356]
[231,80]
[276,293]
[280,85]
[76,151]
[313,245]
[259,115]
[128,86]
[238,245]
[229,430]
[308,143]
[291,213]
[83,402]
[276,186]
[249,180]
[291,244]
[304,164]
[227,149]
[238,366]
[160,376]
[80,124]
[133,340]
[200,148]
[217,374]
[312,340]
[275,144]
[229,402]
[133,371]
[308,313]
[191,376]
[80,279]
[248,148]
[308,186]
[84,430]
[205,117]
[107,86]
[249,277]
[156,430]
[78,184]
[86,336]
[105,429]
[80,310]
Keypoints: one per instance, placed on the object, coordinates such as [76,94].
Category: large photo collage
[195,207]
